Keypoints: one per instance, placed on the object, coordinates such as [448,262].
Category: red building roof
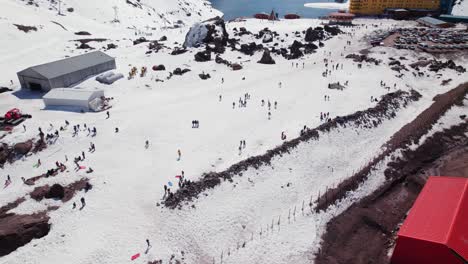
[436,229]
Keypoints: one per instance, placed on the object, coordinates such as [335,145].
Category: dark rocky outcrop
[266,58]
[332,30]
[55,192]
[314,35]
[251,48]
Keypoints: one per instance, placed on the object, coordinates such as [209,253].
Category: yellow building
[377,7]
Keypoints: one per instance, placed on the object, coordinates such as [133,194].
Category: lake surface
[247,8]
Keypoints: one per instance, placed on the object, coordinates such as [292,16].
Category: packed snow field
[244,221]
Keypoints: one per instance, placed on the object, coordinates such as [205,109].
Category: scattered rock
[163,38]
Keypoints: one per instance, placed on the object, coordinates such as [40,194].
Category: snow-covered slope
[128,180]
[460,8]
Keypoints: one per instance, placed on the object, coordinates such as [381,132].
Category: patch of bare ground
[17,230]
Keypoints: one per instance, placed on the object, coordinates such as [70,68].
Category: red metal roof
[440,215]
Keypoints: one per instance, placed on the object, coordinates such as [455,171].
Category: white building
[77,99]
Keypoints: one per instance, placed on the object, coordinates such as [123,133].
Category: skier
[108,115]
[116,130]
[148,243]
[269,115]
[263,102]
[220,98]
[279,84]
[179,154]
[74,205]
[147,144]
[83,202]
[82,153]
[38,162]
[222,80]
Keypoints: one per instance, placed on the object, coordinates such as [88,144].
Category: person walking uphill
[179,154]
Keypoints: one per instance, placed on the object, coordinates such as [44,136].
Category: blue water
[247,8]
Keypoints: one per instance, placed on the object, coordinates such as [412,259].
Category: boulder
[55,192]
[236,66]
[267,38]
[139,40]
[204,76]
[178,51]
[111,46]
[212,31]
[163,38]
[23,148]
[159,67]
[179,71]
[266,58]
[203,56]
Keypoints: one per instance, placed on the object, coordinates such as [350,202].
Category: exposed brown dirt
[18,230]
[12,153]
[369,118]
[366,230]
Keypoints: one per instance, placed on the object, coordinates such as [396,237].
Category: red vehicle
[13,114]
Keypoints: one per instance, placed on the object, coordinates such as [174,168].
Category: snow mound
[328,5]
[460,8]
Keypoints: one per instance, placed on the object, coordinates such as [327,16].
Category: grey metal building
[66,72]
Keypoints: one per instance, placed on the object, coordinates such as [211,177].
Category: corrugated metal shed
[431,21]
[69,65]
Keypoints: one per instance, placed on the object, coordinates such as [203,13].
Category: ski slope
[121,211]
